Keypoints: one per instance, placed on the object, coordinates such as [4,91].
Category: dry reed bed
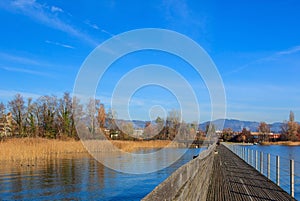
[37,149]
[286,143]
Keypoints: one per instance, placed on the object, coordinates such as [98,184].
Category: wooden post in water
[262,162]
[269,161]
[278,170]
[292,182]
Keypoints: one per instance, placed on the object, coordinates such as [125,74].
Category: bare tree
[292,116]
[227,134]
[78,119]
[173,123]
[2,109]
[91,110]
[148,130]
[210,129]
[65,121]
[264,129]
[111,119]
[159,128]
[47,108]
[292,131]
[101,116]
[284,131]
[17,108]
[127,129]
[30,127]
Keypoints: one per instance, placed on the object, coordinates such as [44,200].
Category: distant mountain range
[238,125]
[234,124]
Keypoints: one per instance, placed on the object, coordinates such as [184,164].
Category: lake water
[286,153]
[80,177]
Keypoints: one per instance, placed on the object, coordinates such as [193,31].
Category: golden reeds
[36,149]
[286,143]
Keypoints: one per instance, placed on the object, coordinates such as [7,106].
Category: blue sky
[254,44]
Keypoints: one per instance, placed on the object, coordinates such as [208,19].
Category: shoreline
[281,143]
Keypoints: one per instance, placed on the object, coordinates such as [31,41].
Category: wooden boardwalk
[234,180]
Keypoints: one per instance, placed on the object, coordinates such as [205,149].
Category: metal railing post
[256,159]
[292,181]
[269,161]
[262,162]
[243,153]
[248,156]
[252,157]
[278,170]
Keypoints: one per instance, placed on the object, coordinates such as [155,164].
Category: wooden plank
[235,180]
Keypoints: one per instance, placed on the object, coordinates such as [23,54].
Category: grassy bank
[286,143]
[33,149]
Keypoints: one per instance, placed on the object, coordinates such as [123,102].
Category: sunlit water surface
[81,177]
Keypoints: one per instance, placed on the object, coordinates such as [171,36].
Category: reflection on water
[81,178]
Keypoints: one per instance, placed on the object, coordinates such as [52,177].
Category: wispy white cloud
[56,9]
[94,26]
[59,44]
[272,57]
[179,14]
[46,15]
[289,51]
[254,108]
[18,59]
[24,70]
[6,94]
[176,7]
[11,62]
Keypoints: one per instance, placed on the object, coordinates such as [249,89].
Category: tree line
[47,116]
[54,117]
[290,131]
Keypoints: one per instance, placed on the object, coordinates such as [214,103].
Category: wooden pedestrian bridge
[218,174]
